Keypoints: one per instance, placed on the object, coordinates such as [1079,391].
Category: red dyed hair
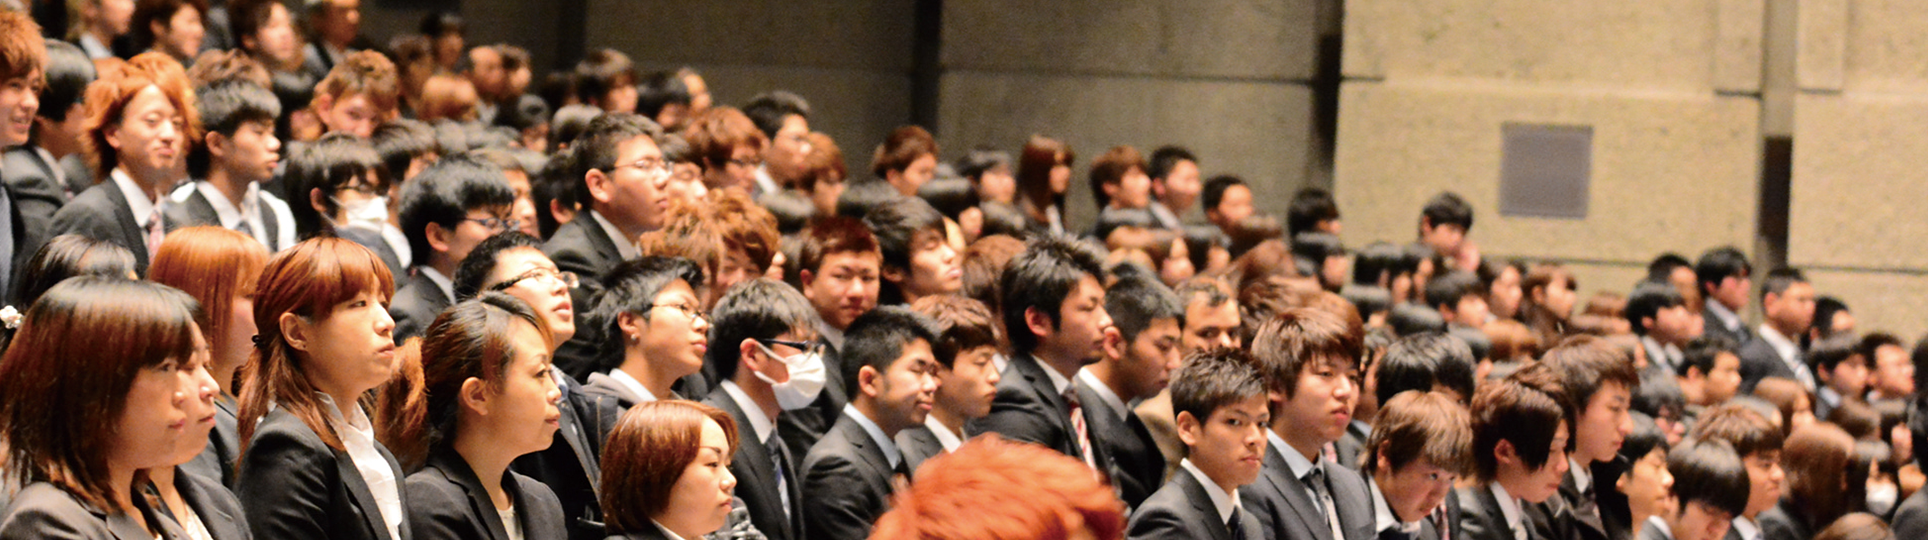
[646,454]
[966,494]
[107,99]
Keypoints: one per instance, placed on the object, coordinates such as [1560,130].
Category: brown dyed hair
[1516,411]
[961,324]
[1512,341]
[213,265]
[1112,167]
[447,96]
[1586,363]
[825,161]
[1298,338]
[731,217]
[984,262]
[218,65]
[1817,458]
[67,373]
[147,12]
[1547,326]
[904,145]
[307,280]
[1418,425]
[1857,526]
[1785,394]
[22,51]
[965,495]
[468,340]
[832,235]
[1748,431]
[367,73]
[107,100]
[646,454]
[1040,155]
[715,134]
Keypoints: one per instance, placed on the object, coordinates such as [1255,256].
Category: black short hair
[401,140]
[1718,264]
[760,308]
[1041,277]
[949,196]
[1422,361]
[1711,473]
[445,193]
[631,287]
[1135,303]
[1376,260]
[68,72]
[1213,378]
[1829,353]
[1444,291]
[597,147]
[660,90]
[1002,219]
[768,110]
[1111,219]
[1661,269]
[553,183]
[1409,319]
[1659,395]
[973,165]
[1646,301]
[1510,410]
[1214,190]
[877,339]
[1825,308]
[524,112]
[1447,208]
[1309,207]
[601,71]
[569,122]
[897,225]
[861,197]
[1702,352]
[1166,158]
[471,275]
[328,164]
[1779,279]
[224,107]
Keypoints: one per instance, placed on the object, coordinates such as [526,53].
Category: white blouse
[358,435]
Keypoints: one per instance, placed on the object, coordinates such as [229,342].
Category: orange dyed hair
[448,96]
[211,264]
[107,99]
[22,51]
[367,73]
[646,454]
[965,494]
[716,133]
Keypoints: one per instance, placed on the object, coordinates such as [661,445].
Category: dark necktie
[1439,522]
[1588,509]
[1316,481]
[779,461]
[1238,533]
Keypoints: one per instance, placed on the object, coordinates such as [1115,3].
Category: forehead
[521,259]
[915,352]
[857,259]
[638,147]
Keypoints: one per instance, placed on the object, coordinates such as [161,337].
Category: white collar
[141,202]
[1661,525]
[877,435]
[1782,345]
[1223,502]
[1165,216]
[624,244]
[623,378]
[398,242]
[1509,507]
[356,420]
[1104,393]
[1727,317]
[671,535]
[759,422]
[945,436]
[1383,517]
[1827,394]
[441,282]
[1058,380]
[1656,353]
[764,182]
[1293,459]
[1746,528]
[1581,478]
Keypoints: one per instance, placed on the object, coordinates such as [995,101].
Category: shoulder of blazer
[539,509]
[42,510]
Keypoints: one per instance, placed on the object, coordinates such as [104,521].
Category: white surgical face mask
[807,376]
[1881,498]
[369,214]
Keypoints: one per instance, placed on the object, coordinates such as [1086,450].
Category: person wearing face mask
[768,361]
[342,180]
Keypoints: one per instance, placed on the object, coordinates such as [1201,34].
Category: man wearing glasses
[623,182]
[454,205]
[765,351]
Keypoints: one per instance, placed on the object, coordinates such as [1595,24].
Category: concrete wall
[1860,129]
[1227,78]
[1668,88]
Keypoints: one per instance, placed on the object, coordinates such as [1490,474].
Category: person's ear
[1038,322]
[601,187]
[475,395]
[217,144]
[438,237]
[632,326]
[806,277]
[1382,465]
[111,134]
[294,330]
[1114,343]
[1190,430]
[322,103]
[891,273]
[318,201]
[749,356]
[1648,323]
[1505,454]
[870,381]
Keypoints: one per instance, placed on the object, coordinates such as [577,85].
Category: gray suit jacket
[918,445]
[101,213]
[43,511]
[1911,517]
[1285,510]
[1182,510]
[1759,361]
[217,508]
[415,305]
[1482,519]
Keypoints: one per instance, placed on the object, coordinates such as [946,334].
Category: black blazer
[848,479]
[216,461]
[101,213]
[1785,521]
[217,508]
[294,486]
[1560,515]
[581,246]
[1714,327]
[1759,361]
[802,428]
[373,240]
[1028,409]
[756,480]
[1351,446]
[918,444]
[1137,469]
[1482,519]
[1182,510]
[42,511]
[1650,532]
[571,466]
[1911,516]
[36,196]
[415,306]
[447,501]
[1285,510]
[197,211]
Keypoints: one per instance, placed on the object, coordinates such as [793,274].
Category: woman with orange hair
[310,465]
[966,494]
[218,267]
[139,121]
[665,471]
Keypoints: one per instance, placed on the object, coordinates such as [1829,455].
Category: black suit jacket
[756,478]
[42,511]
[36,195]
[216,461]
[1785,522]
[572,465]
[101,213]
[648,533]
[373,240]
[1482,519]
[918,445]
[197,211]
[1713,327]
[1759,361]
[415,306]
[1911,517]
[1285,510]
[294,486]
[1560,515]
[1351,446]
[1427,529]
[1649,532]
[217,508]
[447,501]
[1182,510]
[803,427]
[1137,468]
[581,246]
[848,479]
[1028,409]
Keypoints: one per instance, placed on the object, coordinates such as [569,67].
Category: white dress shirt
[622,377]
[1222,501]
[624,244]
[884,442]
[358,435]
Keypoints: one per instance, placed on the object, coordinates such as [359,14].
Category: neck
[950,420]
[1792,334]
[223,373]
[1068,367]
[1300,441]
[345,396]
[101,32]
[759,392]
[230,186]
[1107,373]
[630,231]
[443,264]
[121,480]
[870,410]
[488,458]
[150,182]
[637,366]
[163,480]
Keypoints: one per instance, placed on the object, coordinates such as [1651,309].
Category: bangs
[326,271]
[140,326]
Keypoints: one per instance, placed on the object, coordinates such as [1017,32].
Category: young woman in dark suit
[666,471]
[219,268]
[488,396]
[310,466]
[198,504]
[102,381]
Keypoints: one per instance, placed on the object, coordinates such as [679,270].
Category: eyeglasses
[496,224]
[691,311]
[655,167]
[807,347]
[567,279]
[753,162]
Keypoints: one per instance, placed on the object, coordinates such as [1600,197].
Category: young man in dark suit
[765,353]
[1659,315]
[1758,443]
[20,83]
[237,153]
[893,377]
[622,181]
[1911,517]
[455,204]
[1519,448]
[138,145]
[45,170]
[1421,443]
[1054,308]
[1598,381]
[840,271]
[967,339]
[1308,358]
[1135,363]
[1711,487]
[1725,280]
[1425,362]
[1211,320]
[1222,416]
[1787,301]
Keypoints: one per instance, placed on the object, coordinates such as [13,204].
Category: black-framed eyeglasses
[568,279]
[496,223]
[805,346]
[689,310]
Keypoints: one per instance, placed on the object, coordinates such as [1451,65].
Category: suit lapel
[371,509]
[871,452]
[605,246]
[1202,502]
[1491,505]
[198,501]
[1033,372]
[130,225]
[755,456]
[1294,493]
[574,433]
[453,467]
[270,225]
